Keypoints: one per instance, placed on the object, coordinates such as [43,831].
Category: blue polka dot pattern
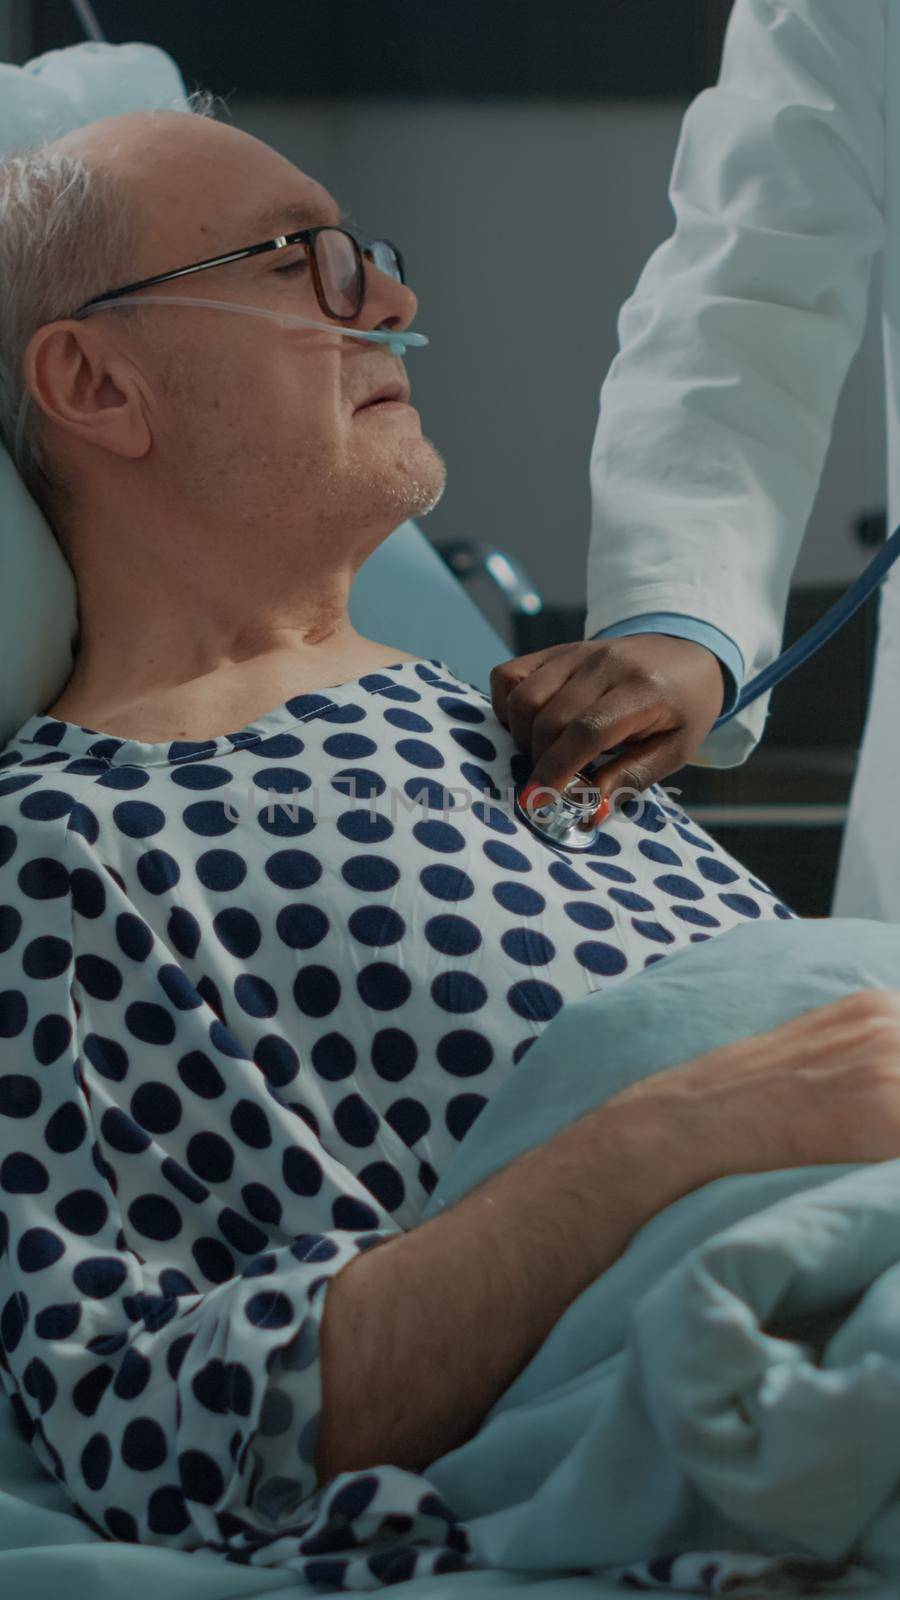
[257,989]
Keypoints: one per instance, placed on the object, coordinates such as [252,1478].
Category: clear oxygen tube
[821,631]
[396,343]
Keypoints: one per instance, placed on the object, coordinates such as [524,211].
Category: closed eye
[293,266]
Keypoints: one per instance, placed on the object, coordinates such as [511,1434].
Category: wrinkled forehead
[200,187]
[206,208]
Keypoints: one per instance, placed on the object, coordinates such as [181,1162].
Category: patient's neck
[196,672]
[226,700]
[200,616]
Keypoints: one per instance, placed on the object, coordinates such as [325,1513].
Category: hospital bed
[45,1546]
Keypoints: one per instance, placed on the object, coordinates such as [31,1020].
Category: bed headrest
[46,98]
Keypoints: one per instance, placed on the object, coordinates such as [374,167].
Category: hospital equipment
[824,629]
[566,819]
[397,343]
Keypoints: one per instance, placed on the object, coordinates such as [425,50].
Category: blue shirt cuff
[682,627]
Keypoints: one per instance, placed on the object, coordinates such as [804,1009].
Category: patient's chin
[422,495]
[414,482]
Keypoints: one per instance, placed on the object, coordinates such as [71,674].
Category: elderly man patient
[271,934]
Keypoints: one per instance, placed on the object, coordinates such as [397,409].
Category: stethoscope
[570,819]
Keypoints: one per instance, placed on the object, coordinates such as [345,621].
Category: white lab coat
[716,415]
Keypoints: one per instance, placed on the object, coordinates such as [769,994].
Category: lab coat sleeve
[716,414]
[143,1388]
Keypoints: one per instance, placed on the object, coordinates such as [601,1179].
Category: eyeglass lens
[341,270]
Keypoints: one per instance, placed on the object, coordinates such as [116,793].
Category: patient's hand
[654,695]
[823,1088]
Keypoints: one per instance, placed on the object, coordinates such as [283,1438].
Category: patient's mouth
[396,393]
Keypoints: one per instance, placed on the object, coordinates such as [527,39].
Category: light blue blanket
[726,1395]
[732,1383]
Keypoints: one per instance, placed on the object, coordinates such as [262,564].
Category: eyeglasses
[334,255]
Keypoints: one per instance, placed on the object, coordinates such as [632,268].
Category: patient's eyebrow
[294,215]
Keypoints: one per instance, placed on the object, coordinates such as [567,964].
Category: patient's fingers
[827,1037]
[822,1087]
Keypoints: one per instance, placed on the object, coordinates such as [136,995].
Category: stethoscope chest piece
[566,818]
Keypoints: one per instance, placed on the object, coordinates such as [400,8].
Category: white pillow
[38,604]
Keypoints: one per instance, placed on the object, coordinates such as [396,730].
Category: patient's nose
[392,303]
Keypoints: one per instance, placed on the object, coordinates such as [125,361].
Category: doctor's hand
[654,696]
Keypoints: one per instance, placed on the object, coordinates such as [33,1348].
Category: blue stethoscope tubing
[821,631]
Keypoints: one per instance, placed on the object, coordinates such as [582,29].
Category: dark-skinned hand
[653,695]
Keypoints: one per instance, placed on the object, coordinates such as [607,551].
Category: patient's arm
[422,1337]
[423,1333]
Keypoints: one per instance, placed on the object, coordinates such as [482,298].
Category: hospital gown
[254,991]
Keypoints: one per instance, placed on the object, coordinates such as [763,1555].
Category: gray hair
[68,231]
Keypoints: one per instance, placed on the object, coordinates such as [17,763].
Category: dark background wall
[648,49]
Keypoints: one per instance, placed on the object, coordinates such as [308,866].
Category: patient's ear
[92,391]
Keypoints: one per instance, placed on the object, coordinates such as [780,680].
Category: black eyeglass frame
[362,244]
